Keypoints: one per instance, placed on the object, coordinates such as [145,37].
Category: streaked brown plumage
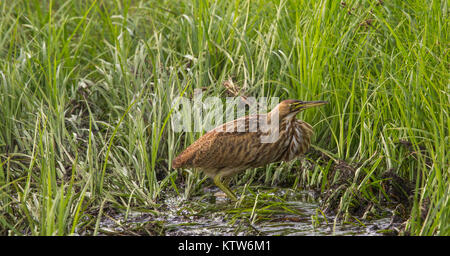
[238,145]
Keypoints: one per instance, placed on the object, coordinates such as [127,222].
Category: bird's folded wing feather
[225,146]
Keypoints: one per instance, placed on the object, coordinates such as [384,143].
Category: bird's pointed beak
[301,105]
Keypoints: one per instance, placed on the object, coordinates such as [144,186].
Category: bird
[249,142]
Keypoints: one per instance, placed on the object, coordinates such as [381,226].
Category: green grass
[86,90]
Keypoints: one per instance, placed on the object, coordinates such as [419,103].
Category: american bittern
[238,145]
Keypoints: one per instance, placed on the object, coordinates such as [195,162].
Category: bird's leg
[223,187]
[226,181]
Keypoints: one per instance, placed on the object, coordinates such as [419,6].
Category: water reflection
[287,213]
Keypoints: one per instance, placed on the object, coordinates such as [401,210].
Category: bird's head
[290,108]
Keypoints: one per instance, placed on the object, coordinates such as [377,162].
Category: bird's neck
[297,137]
[274,116]
[277,125]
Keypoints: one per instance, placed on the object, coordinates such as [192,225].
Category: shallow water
[296,214]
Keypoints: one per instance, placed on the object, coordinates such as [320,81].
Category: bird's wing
[190,156]
[226,146]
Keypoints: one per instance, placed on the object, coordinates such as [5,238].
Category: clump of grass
[86,91]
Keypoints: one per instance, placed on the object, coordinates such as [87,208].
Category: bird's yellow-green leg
[226,180]
[223,187]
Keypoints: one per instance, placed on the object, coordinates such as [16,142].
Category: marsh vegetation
[85,102]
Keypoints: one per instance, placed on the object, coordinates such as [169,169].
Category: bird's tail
[176,163]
